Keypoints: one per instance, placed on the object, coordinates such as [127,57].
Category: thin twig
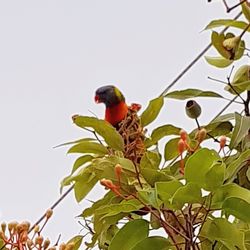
[229,9]
[224,108]
[205,218]
[235,6]
[247,102]
[53,206]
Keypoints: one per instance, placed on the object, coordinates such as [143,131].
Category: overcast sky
[53,56]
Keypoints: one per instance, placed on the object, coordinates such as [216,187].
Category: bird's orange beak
[97,99]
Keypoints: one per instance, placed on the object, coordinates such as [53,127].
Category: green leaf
[224,232]
[155,222]
[215,129]
[110,161]
[226,22]
[246,10]
[161,132]
[196,167]
[103,128]
[191,93]
[75,142]
[77,241]
[153,242]
[241,128]
[219,62]
[88,147]
[122,207]
[223,128]
[238,208]
[152,111]
[241,81]
[2,245]
[238,87]
[214,177]
[151,160]
[149,197]
[190,193]
[151,176]
[109,198]
[217,41]
[129,235]
[242,74]
[171,149]
[237,164]
[84,184]
[81,161]
[223,118]
[240,50]
[229,191]
[166,190]
[104,168]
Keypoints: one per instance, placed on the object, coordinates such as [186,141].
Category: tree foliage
[198,196]
[188,190]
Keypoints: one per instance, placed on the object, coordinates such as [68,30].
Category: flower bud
[232,43]
[107,183]
[39,240]
[52,248]
[12,226]
[135,107]
[118,170]
[183,135]
[36,229]
[223,141]
[3,226]
[46,244]
[49,213]
[25,225]
[181,146]
[29,243]
[62,246]
[70,246]
[193,109]
[24,237]
[202,133]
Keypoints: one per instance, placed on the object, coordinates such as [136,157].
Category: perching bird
[116,107]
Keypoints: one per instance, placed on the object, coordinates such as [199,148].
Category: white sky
[53,56]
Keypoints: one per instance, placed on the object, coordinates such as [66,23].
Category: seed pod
[193,109]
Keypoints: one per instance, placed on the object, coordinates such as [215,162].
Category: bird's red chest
[117,113]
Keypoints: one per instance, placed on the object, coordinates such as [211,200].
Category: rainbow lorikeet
[114,100]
